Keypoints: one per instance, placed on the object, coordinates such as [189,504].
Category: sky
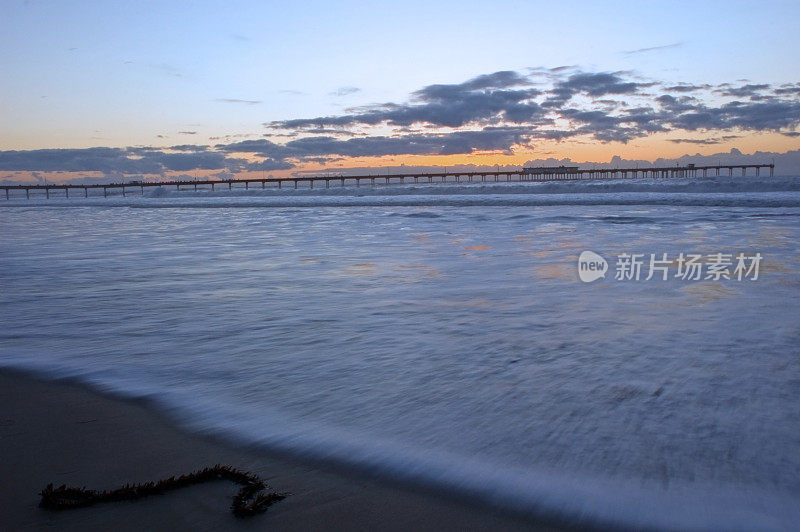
[103,88]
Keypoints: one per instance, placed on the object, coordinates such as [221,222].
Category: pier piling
[525,174]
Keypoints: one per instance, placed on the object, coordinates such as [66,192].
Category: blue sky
[117,74]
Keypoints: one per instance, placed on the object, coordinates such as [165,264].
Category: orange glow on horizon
[581,151]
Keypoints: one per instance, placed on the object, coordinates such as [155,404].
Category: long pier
[526,174]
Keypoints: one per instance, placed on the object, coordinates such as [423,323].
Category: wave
[411,194]
[422,214]
[179,200]
[567,498]
[697,185]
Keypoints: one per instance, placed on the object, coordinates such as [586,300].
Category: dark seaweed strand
[249,501]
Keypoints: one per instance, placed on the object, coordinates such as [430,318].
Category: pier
[546,173]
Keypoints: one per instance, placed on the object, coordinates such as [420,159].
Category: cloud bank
[495,112]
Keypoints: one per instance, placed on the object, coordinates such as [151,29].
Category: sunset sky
[204,88]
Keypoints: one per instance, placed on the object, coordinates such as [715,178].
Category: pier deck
[525,174]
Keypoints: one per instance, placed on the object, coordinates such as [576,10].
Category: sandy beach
[61,432]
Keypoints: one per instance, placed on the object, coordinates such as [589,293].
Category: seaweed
[253,498]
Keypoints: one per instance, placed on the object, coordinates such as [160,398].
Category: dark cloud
[654,48]
[685,87]
[593,84]
[690,114]
[676,105]
[562,68]
[604,106]
[185,147]
[751,116]
[487,99]
[412,144]
[706,142]
[508,98]
[491,112]
[190,161]
[77,160]
[135,160]
[788,90]
[269,164]
[745,91]
[498,80]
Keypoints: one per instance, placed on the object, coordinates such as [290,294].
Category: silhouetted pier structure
[546,173]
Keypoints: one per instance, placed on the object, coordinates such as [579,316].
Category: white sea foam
[539,493]
[722,191]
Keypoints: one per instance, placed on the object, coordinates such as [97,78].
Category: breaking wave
[740,192]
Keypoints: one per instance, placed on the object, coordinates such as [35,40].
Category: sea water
[440,335]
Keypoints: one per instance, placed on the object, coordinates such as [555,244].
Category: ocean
[440,335]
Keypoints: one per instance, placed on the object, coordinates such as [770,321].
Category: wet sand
[64,433]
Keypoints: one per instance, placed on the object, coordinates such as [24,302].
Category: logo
[591,266]
[688,266]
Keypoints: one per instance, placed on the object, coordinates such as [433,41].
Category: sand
[64,433]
